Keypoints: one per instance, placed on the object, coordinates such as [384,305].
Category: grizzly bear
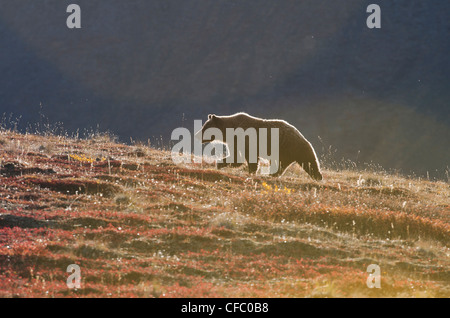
[293,147]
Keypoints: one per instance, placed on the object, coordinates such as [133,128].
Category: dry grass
[139,226]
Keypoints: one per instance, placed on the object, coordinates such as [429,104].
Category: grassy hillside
[139,226]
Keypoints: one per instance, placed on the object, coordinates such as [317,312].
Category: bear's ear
[211,116]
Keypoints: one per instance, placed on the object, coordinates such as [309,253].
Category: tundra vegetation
[140,226]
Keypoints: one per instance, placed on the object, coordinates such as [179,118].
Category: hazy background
[142,68]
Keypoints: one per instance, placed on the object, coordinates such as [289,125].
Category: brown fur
[293,147]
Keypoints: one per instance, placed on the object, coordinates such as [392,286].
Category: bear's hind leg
[223,164]
[252,167]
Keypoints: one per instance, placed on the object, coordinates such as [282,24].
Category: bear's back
[244,120]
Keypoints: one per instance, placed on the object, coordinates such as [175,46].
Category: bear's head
[317,175]
[213,121]
[313,169]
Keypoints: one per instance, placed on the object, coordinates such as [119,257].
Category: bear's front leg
[280,169]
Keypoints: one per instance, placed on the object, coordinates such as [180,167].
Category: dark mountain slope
[138,68]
